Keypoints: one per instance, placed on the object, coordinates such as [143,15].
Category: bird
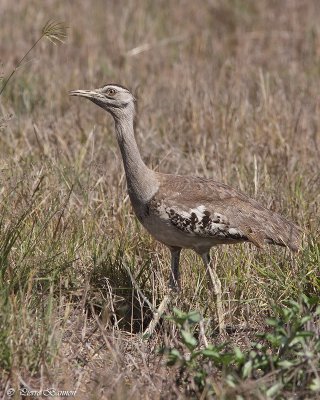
[184,211]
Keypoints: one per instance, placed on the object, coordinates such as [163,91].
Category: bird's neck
[140,179]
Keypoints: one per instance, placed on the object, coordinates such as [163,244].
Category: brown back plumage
[252,221]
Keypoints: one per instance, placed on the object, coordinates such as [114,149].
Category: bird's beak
[83,93]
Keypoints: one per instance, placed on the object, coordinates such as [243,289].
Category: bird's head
[115,99]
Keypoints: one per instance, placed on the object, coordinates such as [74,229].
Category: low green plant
[283,360]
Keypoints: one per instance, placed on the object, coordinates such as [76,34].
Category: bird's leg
[174,282]
[215,284]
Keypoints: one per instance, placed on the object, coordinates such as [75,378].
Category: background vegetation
[227,89]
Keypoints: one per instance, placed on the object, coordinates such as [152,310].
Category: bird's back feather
[204,208]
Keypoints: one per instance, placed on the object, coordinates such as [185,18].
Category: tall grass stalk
[54,31]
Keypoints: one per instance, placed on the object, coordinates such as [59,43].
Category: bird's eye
[110,92]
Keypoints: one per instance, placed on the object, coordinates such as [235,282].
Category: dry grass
[227,90]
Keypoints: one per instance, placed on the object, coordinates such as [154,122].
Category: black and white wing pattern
[205,208]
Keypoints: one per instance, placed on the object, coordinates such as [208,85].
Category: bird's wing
[203,207]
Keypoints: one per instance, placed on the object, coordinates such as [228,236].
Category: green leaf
[253,354]
[199,379]
[285,364]
[239,356]
[275,341]
[305,334]
[173,357]
[312,300]
[273,390]
[305,319]
[179,316]
[194,317]
[178,313]
[189,340]
[296,340]
[231,381]
[247,368]
[258,346]
[294,305]
[212,354]
[272,322]
[315,385]
[227,358]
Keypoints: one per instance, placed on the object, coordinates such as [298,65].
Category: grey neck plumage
[142,183]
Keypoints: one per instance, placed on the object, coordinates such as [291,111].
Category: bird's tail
[284,233]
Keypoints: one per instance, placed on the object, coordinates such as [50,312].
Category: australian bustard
[188,211]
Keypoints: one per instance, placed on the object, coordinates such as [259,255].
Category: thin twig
[157,315]
[149,46]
